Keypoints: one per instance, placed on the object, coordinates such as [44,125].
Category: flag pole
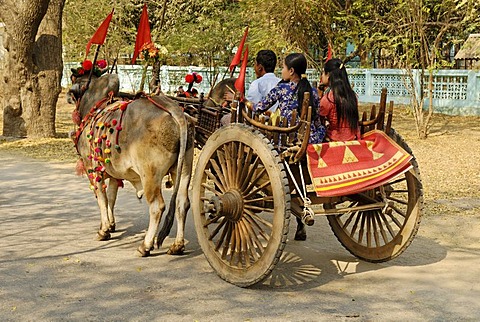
[232,71]
[93,66]
[113,65]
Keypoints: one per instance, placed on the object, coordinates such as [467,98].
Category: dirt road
[52,269]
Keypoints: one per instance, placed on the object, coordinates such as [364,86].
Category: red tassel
[76,117]
[80,168]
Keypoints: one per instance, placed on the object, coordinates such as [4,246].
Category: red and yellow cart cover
[346,167]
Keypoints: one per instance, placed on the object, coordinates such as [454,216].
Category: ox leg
[112,198]
[102,200]
[182,205]
[153,195]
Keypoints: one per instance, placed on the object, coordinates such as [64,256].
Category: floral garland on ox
[103,135]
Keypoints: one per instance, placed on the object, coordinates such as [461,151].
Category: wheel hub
[230,205]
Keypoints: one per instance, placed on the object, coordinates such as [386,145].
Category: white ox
[140,141]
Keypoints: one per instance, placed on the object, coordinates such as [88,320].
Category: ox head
[80,78]
[99,88]
[79,85]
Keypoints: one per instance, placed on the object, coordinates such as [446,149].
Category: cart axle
[230,205]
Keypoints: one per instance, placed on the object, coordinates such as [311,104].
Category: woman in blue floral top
[289,95]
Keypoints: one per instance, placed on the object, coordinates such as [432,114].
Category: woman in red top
[339,104]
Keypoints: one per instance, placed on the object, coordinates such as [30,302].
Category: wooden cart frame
[251,176]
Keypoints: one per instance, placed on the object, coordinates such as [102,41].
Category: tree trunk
[33,66]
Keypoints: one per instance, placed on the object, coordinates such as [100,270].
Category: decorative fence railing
[455,92]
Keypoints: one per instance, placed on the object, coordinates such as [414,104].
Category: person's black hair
[298,62]
[267,59]
[344,97]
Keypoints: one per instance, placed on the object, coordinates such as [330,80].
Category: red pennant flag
[143,34]
[329,53]
[101,33]
[238,54]
[240,82]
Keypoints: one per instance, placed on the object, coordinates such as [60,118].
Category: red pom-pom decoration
[193,77]
[87,64]
[189,78]
[102,63]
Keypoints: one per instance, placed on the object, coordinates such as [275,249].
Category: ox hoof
[144,252]
[301,234]
[176,249]
[102,235]
[111,228]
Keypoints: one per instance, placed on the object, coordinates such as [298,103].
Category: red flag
[101,33]
[329,53]
[240,82]
[143,33]
[238,54]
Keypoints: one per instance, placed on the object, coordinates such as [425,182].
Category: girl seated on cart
[339,104]
[289,95]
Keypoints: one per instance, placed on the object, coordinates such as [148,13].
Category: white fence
[456,92]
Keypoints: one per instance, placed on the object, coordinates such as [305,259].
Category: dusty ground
[52,269]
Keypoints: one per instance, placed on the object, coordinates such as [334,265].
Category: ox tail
[168,222]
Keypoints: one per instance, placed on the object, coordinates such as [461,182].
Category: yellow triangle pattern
[376,155]
[318,149]
[321,163]
[348,156]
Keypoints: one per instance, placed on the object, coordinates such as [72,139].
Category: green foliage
[206,32]
[81,20]
[194,32]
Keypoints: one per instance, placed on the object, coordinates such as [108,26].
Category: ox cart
[252,174]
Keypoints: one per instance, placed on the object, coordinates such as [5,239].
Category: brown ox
[140,141]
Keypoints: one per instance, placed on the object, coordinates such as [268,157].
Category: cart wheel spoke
[220,185]
[251,170]
[219,169]
[217,229]
[381,227]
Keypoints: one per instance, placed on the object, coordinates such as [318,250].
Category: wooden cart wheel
[241,204]
[383,234]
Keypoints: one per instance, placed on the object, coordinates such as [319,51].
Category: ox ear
[74,72]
